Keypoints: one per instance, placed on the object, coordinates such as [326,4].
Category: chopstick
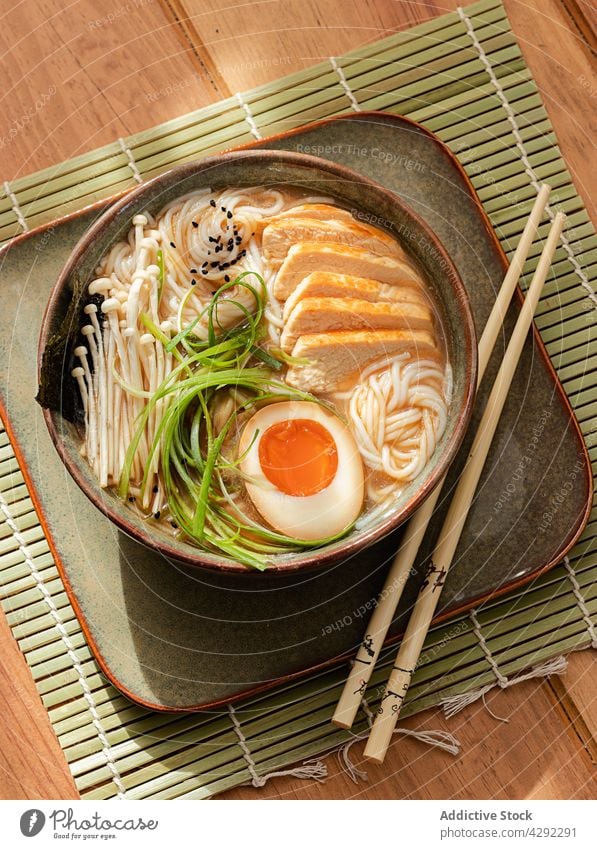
[441,559]
[382,616]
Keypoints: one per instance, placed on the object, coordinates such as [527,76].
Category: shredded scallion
[198,480]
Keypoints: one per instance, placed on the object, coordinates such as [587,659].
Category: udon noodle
[178,288]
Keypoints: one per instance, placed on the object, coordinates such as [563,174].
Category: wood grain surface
[79,74]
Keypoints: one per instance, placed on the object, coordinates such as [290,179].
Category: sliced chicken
[279,236]
[320,315]
[336,359]
[307,257]
[327,284]
[318,211]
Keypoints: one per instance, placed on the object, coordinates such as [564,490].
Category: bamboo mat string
[501,679]
[436,739]
[314,768]
[581,602]
[344,83]
[70,649]
[248,115]
[130,159]
[368,712]
[15,206]
[524,156]
[454,704]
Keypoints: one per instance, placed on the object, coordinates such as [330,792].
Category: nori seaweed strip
[57,390]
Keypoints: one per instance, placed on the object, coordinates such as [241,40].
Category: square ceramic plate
[172,638]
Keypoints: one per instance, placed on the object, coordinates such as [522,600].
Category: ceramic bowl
[370,202]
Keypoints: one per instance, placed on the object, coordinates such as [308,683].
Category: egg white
[308,517]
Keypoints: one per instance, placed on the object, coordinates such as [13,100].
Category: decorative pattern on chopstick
[426,603]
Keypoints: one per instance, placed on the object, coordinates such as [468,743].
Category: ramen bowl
[368,202]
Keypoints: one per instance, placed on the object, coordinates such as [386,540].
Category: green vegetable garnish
[266,358]
[161,274]
[201,484]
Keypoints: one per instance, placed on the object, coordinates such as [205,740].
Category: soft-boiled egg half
[304,470]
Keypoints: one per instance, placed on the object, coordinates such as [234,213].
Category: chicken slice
[336,359]
[307,257]
[321,315]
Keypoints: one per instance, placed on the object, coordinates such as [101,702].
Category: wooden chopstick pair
[449,536]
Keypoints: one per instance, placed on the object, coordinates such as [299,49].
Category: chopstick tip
[341,723]
[374,757]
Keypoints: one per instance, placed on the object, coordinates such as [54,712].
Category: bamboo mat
[464,78]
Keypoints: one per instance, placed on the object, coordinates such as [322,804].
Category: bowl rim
[313,558]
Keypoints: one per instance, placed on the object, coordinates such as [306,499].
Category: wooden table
[124,65]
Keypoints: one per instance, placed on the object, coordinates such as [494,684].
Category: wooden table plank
[564,69]
[534,755]
[76,80]
[576,692]
[32,765]
[260,36]
[255,43]
[582,14]
[128,67]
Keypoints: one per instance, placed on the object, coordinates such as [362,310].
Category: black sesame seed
[227,278]
[203,264]
[204,271]
[193,270]
[228,215]
[194,223]
[223,209]
[212,203]
[156,489]
[214,264]
[157,514]
[131,498]
[172,245]
[238,240]
[193,282]
[174,525]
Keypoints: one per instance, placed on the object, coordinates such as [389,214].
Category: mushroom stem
[89,334]
[79,374]
[147,347]
[110,348]
[91,421]
[139,223]
[100,374]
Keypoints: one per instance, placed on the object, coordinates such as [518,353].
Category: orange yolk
[298,456]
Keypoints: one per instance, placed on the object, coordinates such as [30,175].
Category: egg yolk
[298,456]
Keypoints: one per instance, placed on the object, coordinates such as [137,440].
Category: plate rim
[289,677]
